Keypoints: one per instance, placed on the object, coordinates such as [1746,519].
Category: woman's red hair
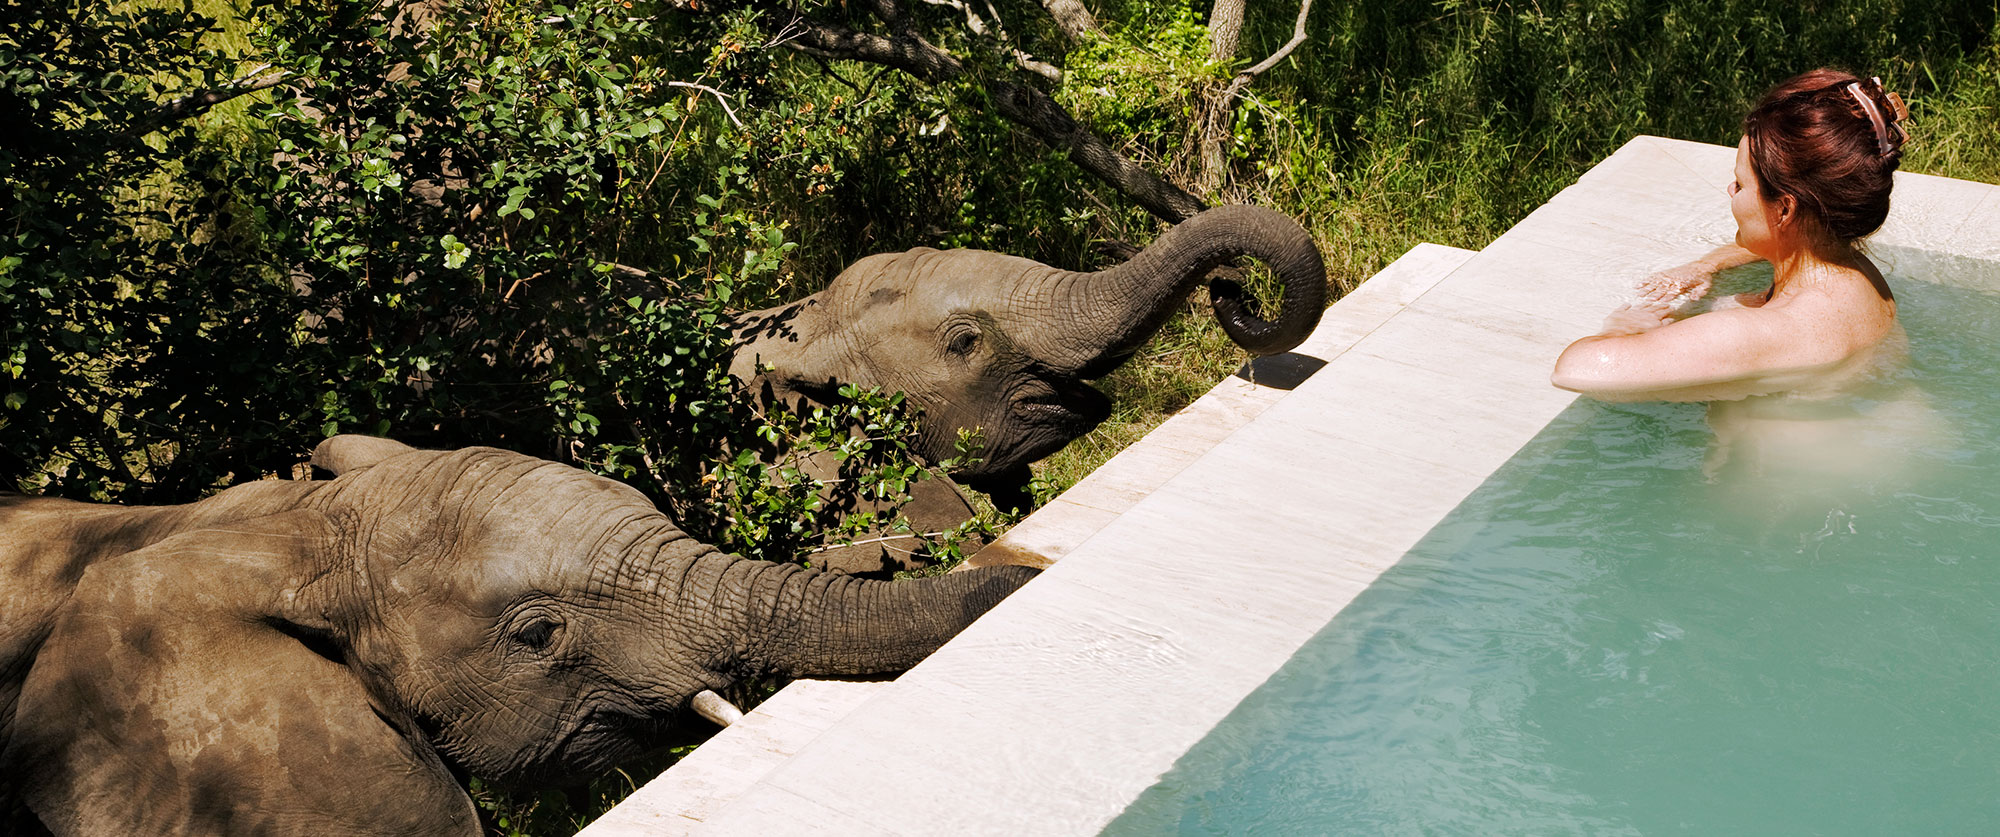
[1811,139]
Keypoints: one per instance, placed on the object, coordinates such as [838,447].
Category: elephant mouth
[1047,427]
[1043,413]
[592,741]
[1062,403]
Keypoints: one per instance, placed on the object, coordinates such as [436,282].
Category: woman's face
[1755,217]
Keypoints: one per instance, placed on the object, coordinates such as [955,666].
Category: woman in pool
[1813,174]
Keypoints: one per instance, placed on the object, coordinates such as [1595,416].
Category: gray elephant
[1005,345]
[327,657]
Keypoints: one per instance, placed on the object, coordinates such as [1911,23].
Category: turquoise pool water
[1606,640]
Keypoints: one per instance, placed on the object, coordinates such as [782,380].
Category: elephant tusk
[712,706]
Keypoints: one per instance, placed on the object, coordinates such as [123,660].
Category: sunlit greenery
[525,222]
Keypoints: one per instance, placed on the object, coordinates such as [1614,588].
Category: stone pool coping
[1194,566]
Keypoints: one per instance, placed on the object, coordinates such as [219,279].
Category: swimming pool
[1603,639]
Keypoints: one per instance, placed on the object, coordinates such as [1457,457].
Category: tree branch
[998,31]
[720,99]
[890,13]
[909,53]
[198,102]
[1034,110]
[1021,104]
[972,19]
[1038,67]
[1298,37]
[883,539]
[1021,56]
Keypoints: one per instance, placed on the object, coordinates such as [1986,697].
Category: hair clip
[1874,115]
[1896,106]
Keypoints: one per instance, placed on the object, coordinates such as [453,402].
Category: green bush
[419,239]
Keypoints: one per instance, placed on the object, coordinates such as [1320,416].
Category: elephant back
[47,544]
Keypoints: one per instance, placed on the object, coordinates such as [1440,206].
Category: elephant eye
[963,342]
[535,634]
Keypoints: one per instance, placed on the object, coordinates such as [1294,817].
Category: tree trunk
[1212,123]
[1071,16]
[1225,28]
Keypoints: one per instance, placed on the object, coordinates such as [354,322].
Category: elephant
[334,656]
[1004,345]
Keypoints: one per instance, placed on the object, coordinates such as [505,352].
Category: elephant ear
[197,686]
[349,452]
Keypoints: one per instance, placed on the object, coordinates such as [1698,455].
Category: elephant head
[1006,344]
[328,661]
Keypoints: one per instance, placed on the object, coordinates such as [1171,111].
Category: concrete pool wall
[1195,563]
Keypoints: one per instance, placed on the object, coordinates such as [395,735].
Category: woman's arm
[1693,280]
[1721,354]
[1643,354]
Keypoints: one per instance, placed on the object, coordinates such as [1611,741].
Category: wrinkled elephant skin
[1006,345]
[324,657]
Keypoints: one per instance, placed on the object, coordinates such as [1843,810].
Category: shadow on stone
[1285,371]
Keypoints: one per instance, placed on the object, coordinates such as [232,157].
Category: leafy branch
[904,46]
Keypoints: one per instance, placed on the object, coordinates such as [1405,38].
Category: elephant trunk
[1140,294]
[807,623]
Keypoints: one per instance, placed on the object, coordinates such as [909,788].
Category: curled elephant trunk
[831,624]
[1140,294]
